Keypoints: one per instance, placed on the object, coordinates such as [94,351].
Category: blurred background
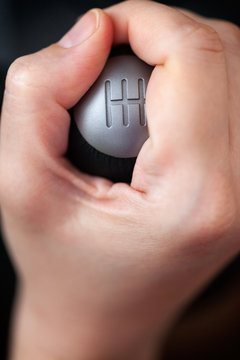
[210,328]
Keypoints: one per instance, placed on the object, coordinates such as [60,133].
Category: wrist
[36,337]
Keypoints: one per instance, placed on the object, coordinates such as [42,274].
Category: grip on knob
[110,126]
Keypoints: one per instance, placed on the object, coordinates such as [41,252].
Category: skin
[105,269]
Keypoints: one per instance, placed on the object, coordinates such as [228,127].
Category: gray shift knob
[111,117]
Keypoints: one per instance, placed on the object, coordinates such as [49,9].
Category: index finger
[186,100]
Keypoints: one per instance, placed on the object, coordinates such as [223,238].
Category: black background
[25,27]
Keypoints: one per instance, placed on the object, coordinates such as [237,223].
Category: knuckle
[231,29]
[20,74]
[202,37]
[231,35]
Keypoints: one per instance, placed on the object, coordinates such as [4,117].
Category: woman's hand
[104,269]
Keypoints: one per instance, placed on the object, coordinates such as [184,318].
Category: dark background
[210,328]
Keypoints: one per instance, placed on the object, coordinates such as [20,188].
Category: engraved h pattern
[124,109]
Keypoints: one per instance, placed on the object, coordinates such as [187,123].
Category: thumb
[35,122]
[41,86]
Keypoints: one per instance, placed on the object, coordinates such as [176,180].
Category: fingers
[187,93]
[230,36]
[159,29]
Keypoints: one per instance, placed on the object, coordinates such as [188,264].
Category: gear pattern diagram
[124,108]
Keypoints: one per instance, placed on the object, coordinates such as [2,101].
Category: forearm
[35,337]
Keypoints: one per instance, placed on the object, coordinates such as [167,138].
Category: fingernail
[82,30]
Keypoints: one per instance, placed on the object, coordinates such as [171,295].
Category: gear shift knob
[110,120]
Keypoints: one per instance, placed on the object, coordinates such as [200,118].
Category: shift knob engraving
[111,117]
[124,107]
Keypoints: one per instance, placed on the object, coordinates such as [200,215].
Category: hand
[104,269]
